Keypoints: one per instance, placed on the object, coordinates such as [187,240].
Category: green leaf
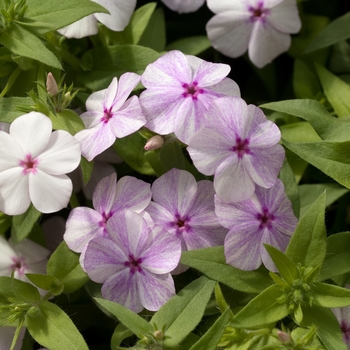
[299,132]
[333,158]
[9,107]
[290,186]
[130,319]
[5,223]
[57,14]
[86,169]
[285,266]
[336,90]
[152,158]
[336,31]
[17,290]
[263,309]
[328,295]
[53,329]
[308,243]
[181,314]
[305,81]
[327,325]
[46,282]
[138,23]
[131,150]
[212,263]
[109,62]
[337,260]
[309,193]
[328,127]
[193,45]
[22,42]
[64,265]
[212,336]
[120,333]
[23,224]
[67,120]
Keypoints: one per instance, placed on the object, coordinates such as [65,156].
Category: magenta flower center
[107,115]
[241,147]
[19,265]
[134,264]
[192,90]
[258,12]
[181,224]
[265,219]
[29,164]
[105,217]
[345,328]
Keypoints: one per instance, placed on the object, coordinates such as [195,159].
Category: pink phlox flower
[185,209]
[109,198]
[24,257]
[240,148]
[133,262]
[184,6]
[179,89]
[110,115]
[267,217]
[260,26]
[120,12]
[343,316]
[33,164]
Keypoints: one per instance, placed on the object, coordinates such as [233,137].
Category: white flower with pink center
[33,164]
[179,90]
[262,27]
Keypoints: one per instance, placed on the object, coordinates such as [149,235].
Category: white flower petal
[11,152]
[84,27]
[184,6]
[7,254]
[285,17]
[34,253]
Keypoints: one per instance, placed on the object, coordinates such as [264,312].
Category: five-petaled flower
[260,26]
[133,262]
[267,217]
[179,90]
[33,164]
[110,115]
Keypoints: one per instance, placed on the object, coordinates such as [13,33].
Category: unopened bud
[283,337]
[154,143]
[158,334]
[51,85]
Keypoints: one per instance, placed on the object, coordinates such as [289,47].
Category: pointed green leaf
[337,260]
[130,319]
[23,224]
[212,336]
[9,107]
[336,90]
[193,45]
[67,120]
[181,314]
[263,309]
[212,263]
[17,290]
[285,266]
[308,243]
[54,329]
[328,127]
[328,295]
[327,325]
[120,333]
[336,31]
[46,282]
[305,81]
[333,158]
[86,169]
[22,42]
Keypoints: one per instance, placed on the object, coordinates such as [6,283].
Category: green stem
[11,80]
[15,337]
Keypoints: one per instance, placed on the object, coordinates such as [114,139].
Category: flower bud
[51,85]
[154,143]
[283,337]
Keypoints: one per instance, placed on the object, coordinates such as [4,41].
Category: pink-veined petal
[6,257]
[84,27]
[95,102]
[34,253]
[160,216]
[105,194]
[111,94]
[91,118]
[32,131]
[226,87]
[227,5]
[49,193]
[127,83]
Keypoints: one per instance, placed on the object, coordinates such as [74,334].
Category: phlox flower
[267,217]
[179,90]
[33,164]
[109,198]
[24,257]
[6,337]
[185,209]
[184,6]
[240,147]
[110,115]
[133,262]
[260,26]
[343,316]
[120,14]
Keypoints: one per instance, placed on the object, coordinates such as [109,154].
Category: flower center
[104,220]
[28,164]
[241,147]
[265,219]
[107,115]
[345,328]
[258,12]
[192,90]
[19,265]
[134,264]
[181,224]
